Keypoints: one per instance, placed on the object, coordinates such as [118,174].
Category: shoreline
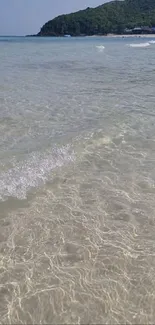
[108,35]
[132,36]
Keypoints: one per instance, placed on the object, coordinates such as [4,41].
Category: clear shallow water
[77,181]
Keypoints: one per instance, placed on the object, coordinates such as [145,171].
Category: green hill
[111,17]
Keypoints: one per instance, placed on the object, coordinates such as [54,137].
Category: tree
[113,16]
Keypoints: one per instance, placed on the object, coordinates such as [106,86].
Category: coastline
[108,35]
[131,35]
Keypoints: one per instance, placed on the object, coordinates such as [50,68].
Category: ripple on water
[77,239]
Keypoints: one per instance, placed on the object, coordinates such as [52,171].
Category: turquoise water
[77,180]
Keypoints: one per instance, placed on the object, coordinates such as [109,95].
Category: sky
[22,17]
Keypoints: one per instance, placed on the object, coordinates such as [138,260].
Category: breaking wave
[152,42]
[139,45]
[25,175]
[100,48]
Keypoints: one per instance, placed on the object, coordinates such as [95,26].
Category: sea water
[77,181]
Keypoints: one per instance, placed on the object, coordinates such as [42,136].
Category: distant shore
[132,35]
[108,35]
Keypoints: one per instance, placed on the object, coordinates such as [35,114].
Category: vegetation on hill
[112,17]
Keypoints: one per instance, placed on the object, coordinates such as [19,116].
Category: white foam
[23,176]
[100,48]
[152,42]
[139,44]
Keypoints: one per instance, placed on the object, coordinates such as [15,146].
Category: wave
[139,45]
[23,176]
[152,42]
[100,48]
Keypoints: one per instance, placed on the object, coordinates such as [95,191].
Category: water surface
[77,181]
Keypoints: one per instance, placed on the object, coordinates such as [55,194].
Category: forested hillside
[112,17]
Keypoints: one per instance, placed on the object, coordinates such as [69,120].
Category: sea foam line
[25,175]
[139,45]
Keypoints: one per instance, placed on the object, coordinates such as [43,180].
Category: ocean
[77,180]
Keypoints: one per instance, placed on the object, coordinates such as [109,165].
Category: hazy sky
[21,17]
